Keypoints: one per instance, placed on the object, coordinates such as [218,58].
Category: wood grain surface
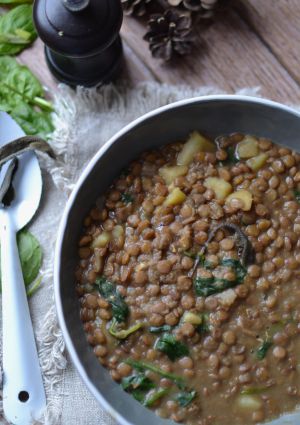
[254,43]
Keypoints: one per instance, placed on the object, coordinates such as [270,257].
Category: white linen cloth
[84,121]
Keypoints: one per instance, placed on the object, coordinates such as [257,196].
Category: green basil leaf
[109,291]
[17,30]
[169,345]
[30,253]
[22,96]
[185,397]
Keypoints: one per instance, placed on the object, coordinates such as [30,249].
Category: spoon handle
[23,392]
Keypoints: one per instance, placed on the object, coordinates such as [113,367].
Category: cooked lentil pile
[189,280]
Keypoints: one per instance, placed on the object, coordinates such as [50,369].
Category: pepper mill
[82,41]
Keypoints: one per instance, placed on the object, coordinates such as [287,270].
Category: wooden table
[254,43]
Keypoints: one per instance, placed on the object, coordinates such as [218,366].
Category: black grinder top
[81,37]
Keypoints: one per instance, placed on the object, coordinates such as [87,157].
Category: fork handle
[23,392]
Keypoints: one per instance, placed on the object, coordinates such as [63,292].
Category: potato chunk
[221,187]
[257,162]
[117,231]
[192,318]
[101,240]
[244,196]
[175,197]
[249,402]
[196,143]
[247,148]
[169,174]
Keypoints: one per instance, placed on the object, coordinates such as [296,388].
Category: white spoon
[23,392]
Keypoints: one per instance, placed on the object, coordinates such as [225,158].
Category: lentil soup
[188,280]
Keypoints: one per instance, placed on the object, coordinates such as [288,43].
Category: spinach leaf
[140,386]
[22,96]
[159,329]
[140,381]
[32,289]
[297,195]
[254,390]
[204,325]
[137,386]
[15,1]
[153,396]
[185,397]
[261,352]
[231,157]
[142,367]
[17,30]
[169,345]
[109,291]
[122,333]
[30,253]
[127,198]
[239,270]
[213,285]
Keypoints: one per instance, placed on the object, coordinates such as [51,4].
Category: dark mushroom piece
[246,252]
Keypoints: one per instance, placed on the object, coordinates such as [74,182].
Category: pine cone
[170,33]
[205,7]
[134,7]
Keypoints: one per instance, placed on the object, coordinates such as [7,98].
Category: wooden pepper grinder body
[82,42]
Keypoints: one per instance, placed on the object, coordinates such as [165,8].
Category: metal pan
[213,115]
